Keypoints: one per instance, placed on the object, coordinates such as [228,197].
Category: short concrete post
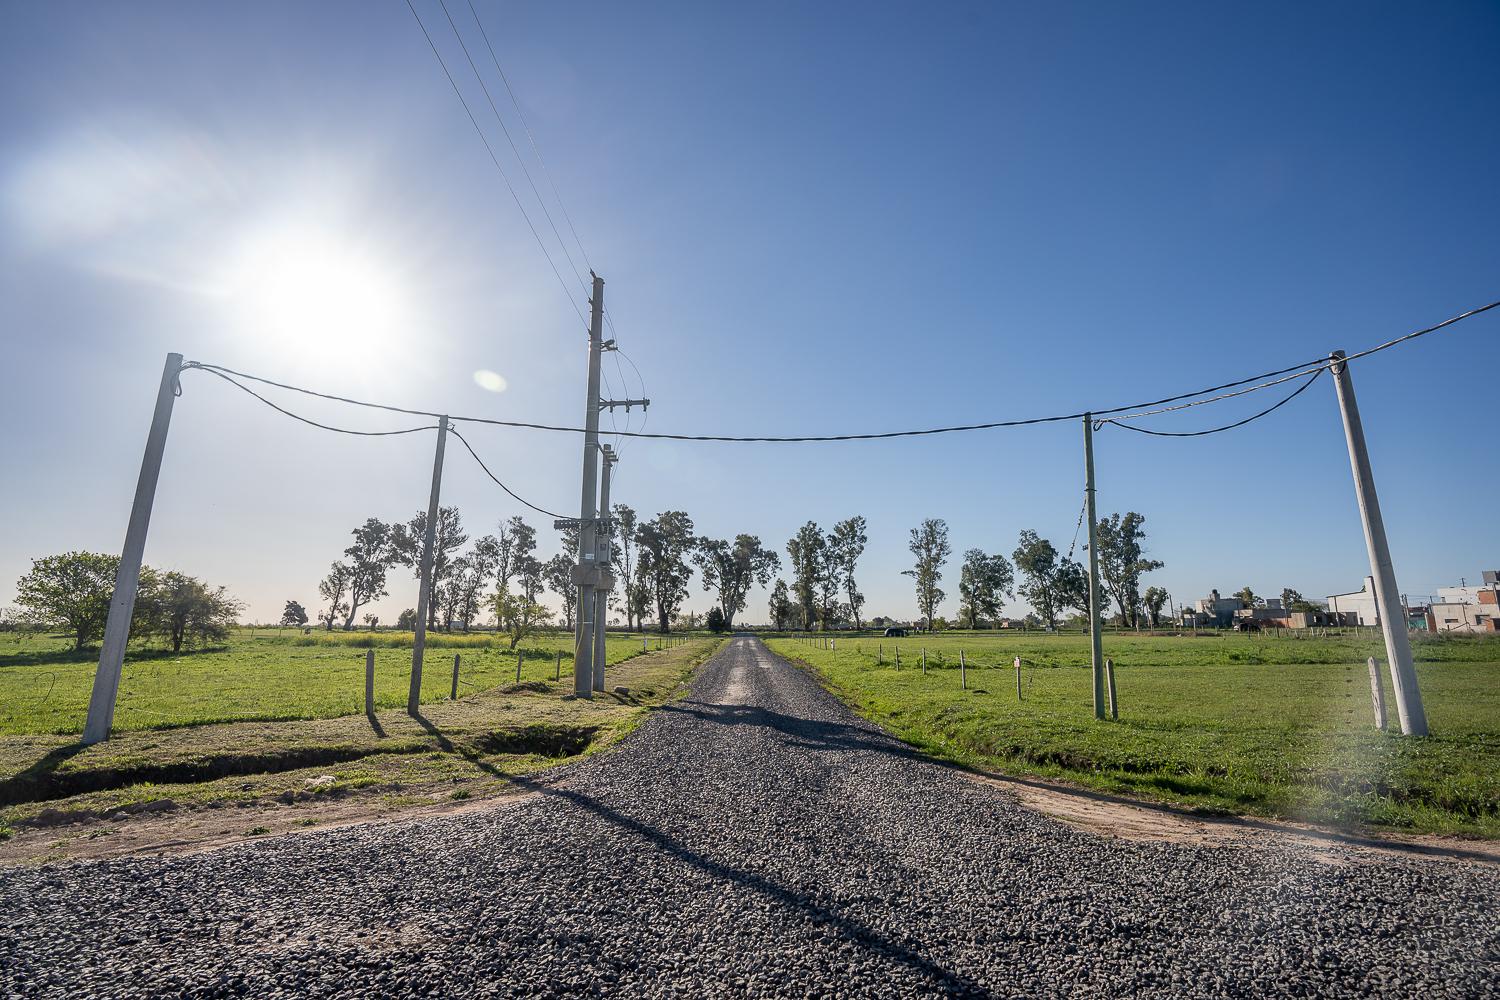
[557,670]
[369,682]
[453,695]
[1109,678]
[897,648]
[519,654]
[963,671]
[924,659]
[1018,678]
[1376,694]
[644,640]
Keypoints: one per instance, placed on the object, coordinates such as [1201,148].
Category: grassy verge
[264,675]
[471,748]
[1291,739]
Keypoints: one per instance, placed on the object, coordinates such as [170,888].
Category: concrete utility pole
[1387,597]
[128,576]
[1096,645]
[606,581]
[424,591]
[586,571]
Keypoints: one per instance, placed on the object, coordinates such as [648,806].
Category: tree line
[72,591]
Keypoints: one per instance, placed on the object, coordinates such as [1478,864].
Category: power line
[534,147]
[1276,377]
[1227,427]
[501,122]
[496,161]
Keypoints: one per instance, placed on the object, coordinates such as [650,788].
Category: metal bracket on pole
[610,404]
[128,577]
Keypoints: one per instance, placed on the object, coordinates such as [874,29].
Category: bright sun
[318,295]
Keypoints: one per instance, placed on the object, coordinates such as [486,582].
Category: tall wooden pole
[424,591]
[128,577]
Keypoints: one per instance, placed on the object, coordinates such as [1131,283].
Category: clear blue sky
[812,218]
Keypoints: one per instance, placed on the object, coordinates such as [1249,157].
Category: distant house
[1214,611]
[1467,609]
[1361,604]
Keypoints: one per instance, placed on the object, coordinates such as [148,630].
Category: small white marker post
[963,671]
[1018,678]
[1376,694]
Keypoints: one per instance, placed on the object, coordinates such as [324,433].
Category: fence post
[128,576]
[1376,694]
[369,682]
[1109,676]
[519,654]
[453,695]
[924,659]
[896,646]
[1018,678]
[963,671]
[880,654]
[557,670]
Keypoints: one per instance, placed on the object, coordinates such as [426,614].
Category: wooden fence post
[880,654]
[557,670]
[519,654]
[369,682]
[453,695]
[1376,694]
[1018,678]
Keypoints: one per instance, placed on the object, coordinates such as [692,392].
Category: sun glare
[318,295]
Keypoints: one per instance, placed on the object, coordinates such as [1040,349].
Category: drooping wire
[1145,408]
[296,416]
[496,161]
[1227,427]
[514,496]
[1079,526]
[344,430]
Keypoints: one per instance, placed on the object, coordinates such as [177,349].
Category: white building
[1361,603]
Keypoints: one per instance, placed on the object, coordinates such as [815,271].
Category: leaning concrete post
[1109,675]
[128,577]
[424,590]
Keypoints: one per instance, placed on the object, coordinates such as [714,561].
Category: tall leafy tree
[1122,561]
[730,570]
[72,591]
[368,558]
[558,572]
[407,541]
[929,545]
[983,585]
[805,553]
[1247,597]
[1153,600]
[623,553]
[846,544]
[471,576]
[781,607]
[663,545]
[514,543]
[294,614]
[1050,582]
[334,590]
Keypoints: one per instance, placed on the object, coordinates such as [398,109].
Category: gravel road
[753,840]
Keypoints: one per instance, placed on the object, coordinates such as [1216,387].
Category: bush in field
[714,620]
[406,621]
[183,610]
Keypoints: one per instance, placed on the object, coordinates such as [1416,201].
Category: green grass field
[262,674]
[1234,723]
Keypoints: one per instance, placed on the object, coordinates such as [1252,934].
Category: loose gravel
[754,840]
